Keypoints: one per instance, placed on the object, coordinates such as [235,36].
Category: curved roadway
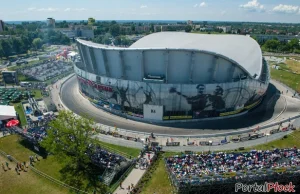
[270,108]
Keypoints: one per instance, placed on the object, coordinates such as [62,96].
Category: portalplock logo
[267,187]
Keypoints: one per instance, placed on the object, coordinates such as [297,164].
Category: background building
[51,22]
[10,77]
[1,26]
[226,29]
[174,75]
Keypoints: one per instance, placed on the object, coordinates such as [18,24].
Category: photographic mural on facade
[201,101]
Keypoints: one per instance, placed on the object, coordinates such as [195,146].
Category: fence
[125,174]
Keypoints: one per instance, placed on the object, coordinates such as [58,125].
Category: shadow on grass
[33,147]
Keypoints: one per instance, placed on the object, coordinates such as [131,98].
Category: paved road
[271,107]
[229,146]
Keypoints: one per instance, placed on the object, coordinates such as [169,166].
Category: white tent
[7,112]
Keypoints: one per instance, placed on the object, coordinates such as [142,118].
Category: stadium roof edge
[239,49]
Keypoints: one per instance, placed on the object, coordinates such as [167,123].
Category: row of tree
[26,41]
[275,45]
[109,39]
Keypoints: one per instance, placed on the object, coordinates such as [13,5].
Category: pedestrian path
[133,178]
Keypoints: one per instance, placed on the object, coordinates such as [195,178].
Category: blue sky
[220,10]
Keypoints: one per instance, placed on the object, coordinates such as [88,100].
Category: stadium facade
[174,75]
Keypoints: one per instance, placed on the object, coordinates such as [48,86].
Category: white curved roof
[242,49]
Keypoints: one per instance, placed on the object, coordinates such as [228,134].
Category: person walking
[3,167]
[36,157]
[7,165]
[24,163]
[17,171]
[121,185]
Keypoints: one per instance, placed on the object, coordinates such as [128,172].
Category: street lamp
[210,142]
[267,137]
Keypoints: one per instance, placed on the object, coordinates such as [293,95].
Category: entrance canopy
[7,112]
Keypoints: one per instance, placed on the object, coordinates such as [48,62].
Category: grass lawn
[26,182]
[50,166]
[10,145]
[24,78]
[292,140]
[37,93]
[19,110]
[121,149]
[293,65]
[289,79]
[160,183]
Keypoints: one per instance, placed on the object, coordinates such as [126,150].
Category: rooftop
[240,49]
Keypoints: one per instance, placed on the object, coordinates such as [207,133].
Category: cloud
[253,5]
[202,4]
[79,9]
[143,6]
[287,9]
[31,8]
[49,9]
[223,12]
[76,9]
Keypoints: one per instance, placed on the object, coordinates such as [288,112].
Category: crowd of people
[103,158]
[228,165]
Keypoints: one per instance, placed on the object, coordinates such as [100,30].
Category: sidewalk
[133,178]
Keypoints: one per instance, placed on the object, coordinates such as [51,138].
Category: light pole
[210,143]
[267,137]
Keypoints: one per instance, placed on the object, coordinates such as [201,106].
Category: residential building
[225,29]
[189,22]
[51,23]
[1,26]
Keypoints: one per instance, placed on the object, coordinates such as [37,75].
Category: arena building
[174,76]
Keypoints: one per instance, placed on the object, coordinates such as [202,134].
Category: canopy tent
[7,112]
[12,123]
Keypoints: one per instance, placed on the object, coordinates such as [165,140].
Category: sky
[198,10]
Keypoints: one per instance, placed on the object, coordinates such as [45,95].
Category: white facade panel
[99,61]
[154,62]
[114,63]
[223,70]
[133,65]
[179,61]
[88,60]
[153,112]
[202,68]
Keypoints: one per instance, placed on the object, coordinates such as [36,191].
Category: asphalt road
[271,106]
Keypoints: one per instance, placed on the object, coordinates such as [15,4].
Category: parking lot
[47,70]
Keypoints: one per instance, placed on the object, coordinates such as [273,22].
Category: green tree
[91,21]
[294,43]
[272,45]
[115,30]
[188,28]
[6,48]
[37,43]
[16,45]
[68,140]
